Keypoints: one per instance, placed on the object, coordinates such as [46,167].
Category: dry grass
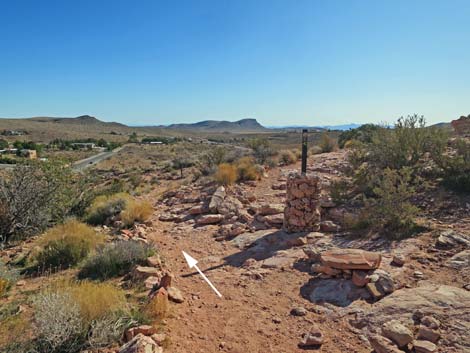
[287,157]
[247,169]
[136,211]
[226,174]
[158,307]
[66,244]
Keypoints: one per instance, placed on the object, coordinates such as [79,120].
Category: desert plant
[390,209]
[262,149]
[315,150]
[226,174]
[66,245]
[363,134]
[115,259]
[58,323]
[34,195]
[106,330]
[327,143]
[104,207]
[456,167]
[287,157]
[136,211]
[211,160]
[247,169]
[340,190]
[8,277]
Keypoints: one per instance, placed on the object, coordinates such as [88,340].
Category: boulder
[141,344]
[399,260]
[229,206]
[397,332]
[384,281]
[329,226]
[381,344]
[270,209]
[424,346]
[449,239]
[460,260]
[144,272]
[145,330]
[351,259]
[217,198]
[151,282]
[428,334]
[209,219]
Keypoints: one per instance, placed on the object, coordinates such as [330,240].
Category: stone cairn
[302,212]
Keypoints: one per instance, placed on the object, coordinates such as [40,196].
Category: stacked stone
[302,212]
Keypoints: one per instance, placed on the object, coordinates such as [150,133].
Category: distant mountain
[221,126]
[79,120]
[324,127]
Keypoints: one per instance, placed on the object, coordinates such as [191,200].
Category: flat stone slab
[351,259]
[340,292]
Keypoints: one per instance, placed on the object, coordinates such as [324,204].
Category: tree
[181,163]
[3,144]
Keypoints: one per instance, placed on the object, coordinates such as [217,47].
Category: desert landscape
[367,250]
[241,176]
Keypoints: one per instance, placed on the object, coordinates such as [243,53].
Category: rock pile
[462,125]
[302,212]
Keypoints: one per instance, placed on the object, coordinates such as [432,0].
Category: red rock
[381,344]
[428,334]
[146,330]
[209,219]
[351,259]
[318,268]
[360,278]
[424,346]
[151,282]
[166,280]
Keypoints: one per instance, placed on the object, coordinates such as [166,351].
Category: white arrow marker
[192,262]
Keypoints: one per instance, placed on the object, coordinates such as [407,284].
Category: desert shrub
[34,195]
[390,208]
[66,245]
[105,207]
[247,169]
[210,161]
[136,211]
[181,162]
[315,150]
[8,277]
[58,323]
[340,190]
[409,144]
[226,174]
[262,149]
[68,315]
[272,162]
[287,157]
[327,143]
[115,259]
[364,134]
[456,167]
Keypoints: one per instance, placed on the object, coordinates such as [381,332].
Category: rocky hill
[216,125]
[79,120]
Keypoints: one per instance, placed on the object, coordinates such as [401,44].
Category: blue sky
[282,62]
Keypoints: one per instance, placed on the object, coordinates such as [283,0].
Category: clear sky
[282,62]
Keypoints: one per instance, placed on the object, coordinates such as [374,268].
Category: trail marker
[192,262]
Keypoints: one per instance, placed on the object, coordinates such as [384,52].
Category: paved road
[88,162]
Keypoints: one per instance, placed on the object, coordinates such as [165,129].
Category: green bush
[364,134]
[340,190]
[262,149]
[105,207]
[390,209]
[115,259]
[456,167]
[66,245]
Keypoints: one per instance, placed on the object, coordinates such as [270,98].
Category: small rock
[166,280]
[418,275]
[424,346]
[381,344]
[329,226]
[373,290]
[151,282]
[399,260]
[428,334]
[159,338]
[312,339]
[298,311]
[209,219]
[277,320]
[154,261]
[145,330]
[397,332]
[360,278]
[143,272]
[430,322]
[174,294]
[141,344]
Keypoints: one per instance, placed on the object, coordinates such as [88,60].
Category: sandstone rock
[329,226]
[449,303]
[209,219]
[166,280]
[397,332]
[270,209]
[428,334]
[430,322]
[159,338]
[424,346]
[198,209]
[312,338]
[169,217]
[174,294]
[229,206]
[154,261]
[351,259]
[320,268]
[450,238]
[151,282]
[312,253]
[360,278]
[274,220]
[374,291]
[217,199]
[298,311]
[460,260]
[145,330]
[462,125]
[141,344]
[399,260]
[144,272]
[381,344]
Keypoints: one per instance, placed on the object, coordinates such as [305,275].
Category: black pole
[304,150]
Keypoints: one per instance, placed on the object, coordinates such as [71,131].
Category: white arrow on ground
[192,262]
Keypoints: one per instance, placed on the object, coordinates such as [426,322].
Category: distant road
[88,162]
[7,166]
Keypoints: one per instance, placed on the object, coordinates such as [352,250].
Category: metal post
[304,150]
